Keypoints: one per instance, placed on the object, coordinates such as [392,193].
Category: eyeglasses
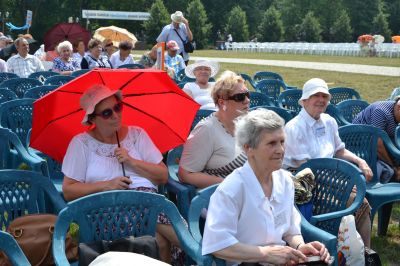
[239,97]
[107,113]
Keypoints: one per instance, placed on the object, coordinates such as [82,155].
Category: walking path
[349,68]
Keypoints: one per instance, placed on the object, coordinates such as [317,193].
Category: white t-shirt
[116,61]
[239,211]
[201,96]
[307,138]
[88,160]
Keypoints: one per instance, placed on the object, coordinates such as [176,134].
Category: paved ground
[350,68]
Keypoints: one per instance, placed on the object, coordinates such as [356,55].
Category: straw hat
[313,86]
[177,17]
[93,96]
[214,66]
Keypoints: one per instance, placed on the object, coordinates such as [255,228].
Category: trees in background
[341,30]
[271,26]
[198,22]
[159,17]
[237,25]
[310,29]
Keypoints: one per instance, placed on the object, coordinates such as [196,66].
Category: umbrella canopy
[115,34]
[65,31]
[152,101]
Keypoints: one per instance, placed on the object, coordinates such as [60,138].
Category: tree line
[261,20]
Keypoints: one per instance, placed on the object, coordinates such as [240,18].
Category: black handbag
[372,258]
[187,46]
[146,245]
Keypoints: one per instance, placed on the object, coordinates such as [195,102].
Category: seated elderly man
[314,134]
[251,216]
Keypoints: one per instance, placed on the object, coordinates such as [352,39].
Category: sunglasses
[107,113]
[108,45]
[239,97]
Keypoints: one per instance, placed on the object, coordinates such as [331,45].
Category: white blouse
[201,96]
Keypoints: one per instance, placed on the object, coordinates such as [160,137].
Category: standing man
[23,64]
[178,31]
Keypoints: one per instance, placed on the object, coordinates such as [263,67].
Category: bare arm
[188,31]
[198,179]
[156,173]
[383,154]
[278,255]
[73,189]
[351,157]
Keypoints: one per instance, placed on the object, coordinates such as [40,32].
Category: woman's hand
[362,164]
[118,183]
[122,155]
[282,255]
[315,248]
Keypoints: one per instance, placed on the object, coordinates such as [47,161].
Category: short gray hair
[248,127]
[64,44]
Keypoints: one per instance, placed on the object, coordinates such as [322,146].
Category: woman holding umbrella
[94,59]
[113,156]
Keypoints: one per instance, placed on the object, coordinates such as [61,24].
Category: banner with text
[123,15]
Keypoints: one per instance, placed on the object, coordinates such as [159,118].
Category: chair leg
[384,218]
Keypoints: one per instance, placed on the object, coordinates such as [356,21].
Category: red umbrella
[152,101]
[65,31]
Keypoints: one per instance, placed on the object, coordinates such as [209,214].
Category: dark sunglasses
[107,113]
[108,45]
[239,97]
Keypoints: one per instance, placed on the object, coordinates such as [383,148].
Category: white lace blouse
[88,160]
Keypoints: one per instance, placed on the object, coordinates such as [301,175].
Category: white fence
[340,49]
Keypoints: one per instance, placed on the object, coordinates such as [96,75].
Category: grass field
[370,87]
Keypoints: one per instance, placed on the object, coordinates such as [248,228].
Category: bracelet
[299,246]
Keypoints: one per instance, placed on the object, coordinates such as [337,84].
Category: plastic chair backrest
[20,85]
[248,79]
[26,192]
[201,114]
[173,158]
[351,108]
[7,75]
[39,91]
[180,76]
[334,181]
[42,75]
[334,112]
[17,116]
[261,75]
[132,66]
[115,214]
[284,113]
[260,99]
[289,99]
[79,72]
[271,87]
[58,80]
[342,93]
[7,95]
[11,248]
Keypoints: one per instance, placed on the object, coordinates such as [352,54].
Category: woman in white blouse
[200,90]
[251,216]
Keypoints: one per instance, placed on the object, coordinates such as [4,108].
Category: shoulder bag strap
[179,36]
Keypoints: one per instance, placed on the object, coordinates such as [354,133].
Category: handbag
[34,234]
[372,258]
[350,245]
[146,245]
[187,46]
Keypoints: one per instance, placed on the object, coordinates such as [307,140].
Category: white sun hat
[177,17]
[313,86]
[214,66]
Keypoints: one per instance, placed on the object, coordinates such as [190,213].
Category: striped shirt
[23,67]
[380,115]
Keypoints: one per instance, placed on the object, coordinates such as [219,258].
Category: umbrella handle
[119,146]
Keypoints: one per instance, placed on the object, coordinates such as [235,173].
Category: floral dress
[60,65]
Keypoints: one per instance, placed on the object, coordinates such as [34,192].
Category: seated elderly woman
[94,58]
[149,58]
[123,55]
[251,216]
[93,159]
[200,90]
[209,153]
[314,134]
[65,64]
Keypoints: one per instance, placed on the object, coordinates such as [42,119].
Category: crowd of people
[251,154]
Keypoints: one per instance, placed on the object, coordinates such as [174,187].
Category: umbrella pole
[122,164]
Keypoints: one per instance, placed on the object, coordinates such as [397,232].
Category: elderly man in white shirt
[23,64]
[251,216]
[314,134]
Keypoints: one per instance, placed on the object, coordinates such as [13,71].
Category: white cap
[313,86]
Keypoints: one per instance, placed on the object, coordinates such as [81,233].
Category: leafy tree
[159,17]
[381,25]
[361,13]
[393,8]
[341,30]
[237,25]
[271,27]
[310,29]
[292,12]
[201,29]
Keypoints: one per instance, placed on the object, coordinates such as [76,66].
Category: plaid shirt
[23,67]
